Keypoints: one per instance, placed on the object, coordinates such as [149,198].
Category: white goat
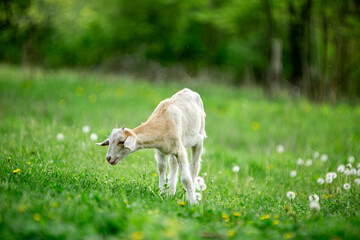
[175,124]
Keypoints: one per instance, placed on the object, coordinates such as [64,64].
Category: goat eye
[120,142]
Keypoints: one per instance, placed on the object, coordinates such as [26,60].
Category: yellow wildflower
[264,217]
[288,235]
[276,222]
[137,235]
[255,126]
[181,203]
[225,216]
[21,208]
[29,163]
[169,232]
[16,170]
[231,233]
[276,216]
[36,217]
[270,166]
[154,174]
[55,204]
[236,214]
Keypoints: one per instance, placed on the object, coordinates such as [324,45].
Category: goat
[176,124]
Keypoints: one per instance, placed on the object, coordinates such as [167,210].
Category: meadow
[56,184]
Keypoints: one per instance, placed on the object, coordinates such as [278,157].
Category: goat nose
[108,158]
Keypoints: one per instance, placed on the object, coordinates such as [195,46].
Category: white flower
[199,181]
[353,171]
[250,179]
[324,157]
[314,206]
[201,187]
[308,163]
[60,136]
[346,186]
[197,196]
[320,181]
[204,174]
[300,161]
[351,159]
[51,161]
[331,175]
[235,169]
[358,172]
[293,173]
[357,181]
[94,136]
[328,180]
[86,129]
[280,149]
[314,197]
[358,165]
[316,154]
[341,168]
[290,195]
[349,165]
[347,171]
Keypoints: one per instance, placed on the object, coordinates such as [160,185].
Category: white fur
[175,124]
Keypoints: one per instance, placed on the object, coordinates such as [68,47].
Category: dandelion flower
[332,175]
[328,180]
[36,217]
[314,206]
[16,170]
[324,157]
[60,136]
[316,154]
[308,163]
[198,196]
[264,217]
[357,181]
[320,181]
[181,203]
[293,173]
[94,137]
[86,129]
[201,187]
[351,159]
[314,197]
[280,149]
[235,169]
[300,161]
[236,214]
[341,168]
[349,165]
[290,195]
[199,180]
[346,186]
[29,163]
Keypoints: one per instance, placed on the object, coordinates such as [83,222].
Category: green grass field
[65,189]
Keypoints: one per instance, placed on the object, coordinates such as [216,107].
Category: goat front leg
[173,173]
[185,175]
[161,166]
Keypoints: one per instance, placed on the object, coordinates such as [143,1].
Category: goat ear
[123,128]
[130,142]
[104,143]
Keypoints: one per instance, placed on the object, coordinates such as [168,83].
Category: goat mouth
[114,162]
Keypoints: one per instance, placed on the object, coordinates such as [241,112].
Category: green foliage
[65,189]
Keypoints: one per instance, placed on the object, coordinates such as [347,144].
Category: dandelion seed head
[357,181]
[346,186]
[94,137]
[316,154]
[280,149]
[349,165]
[308,163]
[347,171]
[353,171]
[197,196]
[235,169]
[290,195]
[324,157]
[358,165]
[313,197]
[201,187]
[293,173]
[351,159]
[341,168]
[199,180]
[86,129]
[328,180]
[320,181]
[250,179]
[358,172]
[300,161]
[314,206]
[60,136]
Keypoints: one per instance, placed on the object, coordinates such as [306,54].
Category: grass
[66,190]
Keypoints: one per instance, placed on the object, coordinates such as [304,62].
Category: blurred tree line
[312,46]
